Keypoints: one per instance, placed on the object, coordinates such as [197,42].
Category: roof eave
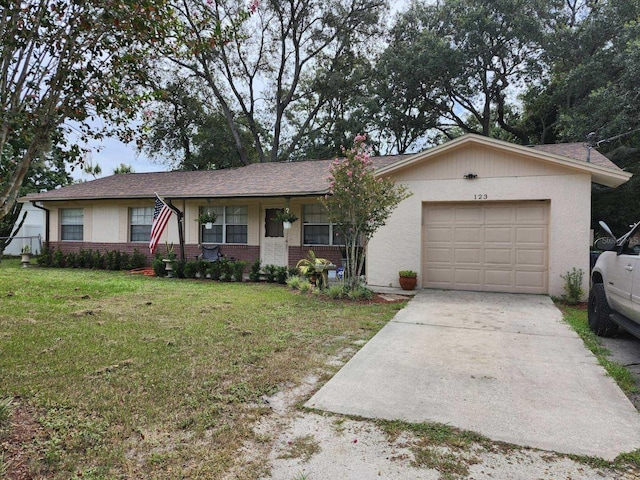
[599,174]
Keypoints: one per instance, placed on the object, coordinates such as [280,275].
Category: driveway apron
[503,365]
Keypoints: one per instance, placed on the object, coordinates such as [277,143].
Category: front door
[273,249]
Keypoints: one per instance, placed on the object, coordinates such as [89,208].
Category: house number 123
[480,196]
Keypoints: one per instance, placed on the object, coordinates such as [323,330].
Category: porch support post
[180,216]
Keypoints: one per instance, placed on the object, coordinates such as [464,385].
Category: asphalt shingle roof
[255,180]
[577,151]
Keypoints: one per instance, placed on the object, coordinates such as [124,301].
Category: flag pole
[179,217]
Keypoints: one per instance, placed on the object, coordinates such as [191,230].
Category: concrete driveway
[502,365]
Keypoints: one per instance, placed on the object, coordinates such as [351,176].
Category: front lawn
[120,376]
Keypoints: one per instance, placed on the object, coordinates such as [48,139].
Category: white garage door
[494,247]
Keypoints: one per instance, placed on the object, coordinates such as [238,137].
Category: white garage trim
[494,246]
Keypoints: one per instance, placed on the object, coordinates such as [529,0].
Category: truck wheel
[599,311]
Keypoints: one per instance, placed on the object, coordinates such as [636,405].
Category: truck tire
[599,311]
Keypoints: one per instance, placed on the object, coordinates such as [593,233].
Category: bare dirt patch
[23,430]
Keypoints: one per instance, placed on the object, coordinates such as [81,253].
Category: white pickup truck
[614,298]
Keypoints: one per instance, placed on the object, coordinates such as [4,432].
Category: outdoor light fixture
[470,176]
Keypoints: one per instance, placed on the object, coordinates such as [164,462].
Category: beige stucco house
[484,215]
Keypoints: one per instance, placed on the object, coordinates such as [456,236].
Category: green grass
[135,377]
[577,318]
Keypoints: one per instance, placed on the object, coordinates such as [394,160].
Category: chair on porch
[211,253]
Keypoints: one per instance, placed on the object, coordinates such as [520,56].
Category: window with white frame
[71,224]
[231,225]
[316,228]
[140,221]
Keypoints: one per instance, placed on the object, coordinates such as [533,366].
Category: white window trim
[222,221]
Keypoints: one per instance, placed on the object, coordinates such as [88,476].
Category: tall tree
[64,60]
[593,51]
[472,57]
[46,172]
[182,130]
[260,76]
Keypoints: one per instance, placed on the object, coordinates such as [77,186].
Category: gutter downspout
[180,216]
[47,214]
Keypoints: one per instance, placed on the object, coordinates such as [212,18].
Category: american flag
[161,214]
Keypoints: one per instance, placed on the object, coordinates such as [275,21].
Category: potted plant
[286,217]
[25,256]
[170,259]
[408,279]
[207,219]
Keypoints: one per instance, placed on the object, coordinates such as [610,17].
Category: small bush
[281,274]
[138,260]
[191,269]
[203,268]
[214,270]
[237,270]
[336,291]
[360,293]
[293,282]
[226,270]
[254,271]
[178,268]
[46,257]
[573,286]
[270,273]
[304,286]
[158,266]
[58,259]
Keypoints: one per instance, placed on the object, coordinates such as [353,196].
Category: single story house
[484,214]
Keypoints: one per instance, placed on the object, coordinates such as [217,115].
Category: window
[71,224]
[316,227]
[272,227]
[140,220]
[230,225]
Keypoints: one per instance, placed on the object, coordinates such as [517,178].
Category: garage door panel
[532,214]
[439,255]
[498,256]
[468,215]
[530,280]
[531,235]
[438,215]
[499,247]
[467,235]
[438,234]
[469,277]
[498,235]
[468,255]
[535,258]
[498,278]
[440,275]
[499,215]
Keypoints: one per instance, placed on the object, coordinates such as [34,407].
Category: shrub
[304,286]
[203,268]
[336,291]
[158,266]
[226,270]
[191,269]
[46,257]
[137,260]
[270,273]
[254,271]
[178,268]
[58,259]
[237,268]
[281,275]
[214,269]
[293,282]
[573,286]
[360,293]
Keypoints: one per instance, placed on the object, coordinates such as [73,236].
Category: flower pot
[168,266]
[208,225]
[25,260]
[286,225]
[408,283]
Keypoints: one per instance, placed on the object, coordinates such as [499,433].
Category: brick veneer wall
[329,252]
[248,253]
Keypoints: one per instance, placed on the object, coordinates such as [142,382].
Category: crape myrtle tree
[63,62]
[359,203]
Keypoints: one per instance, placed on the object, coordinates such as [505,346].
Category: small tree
[359,203]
